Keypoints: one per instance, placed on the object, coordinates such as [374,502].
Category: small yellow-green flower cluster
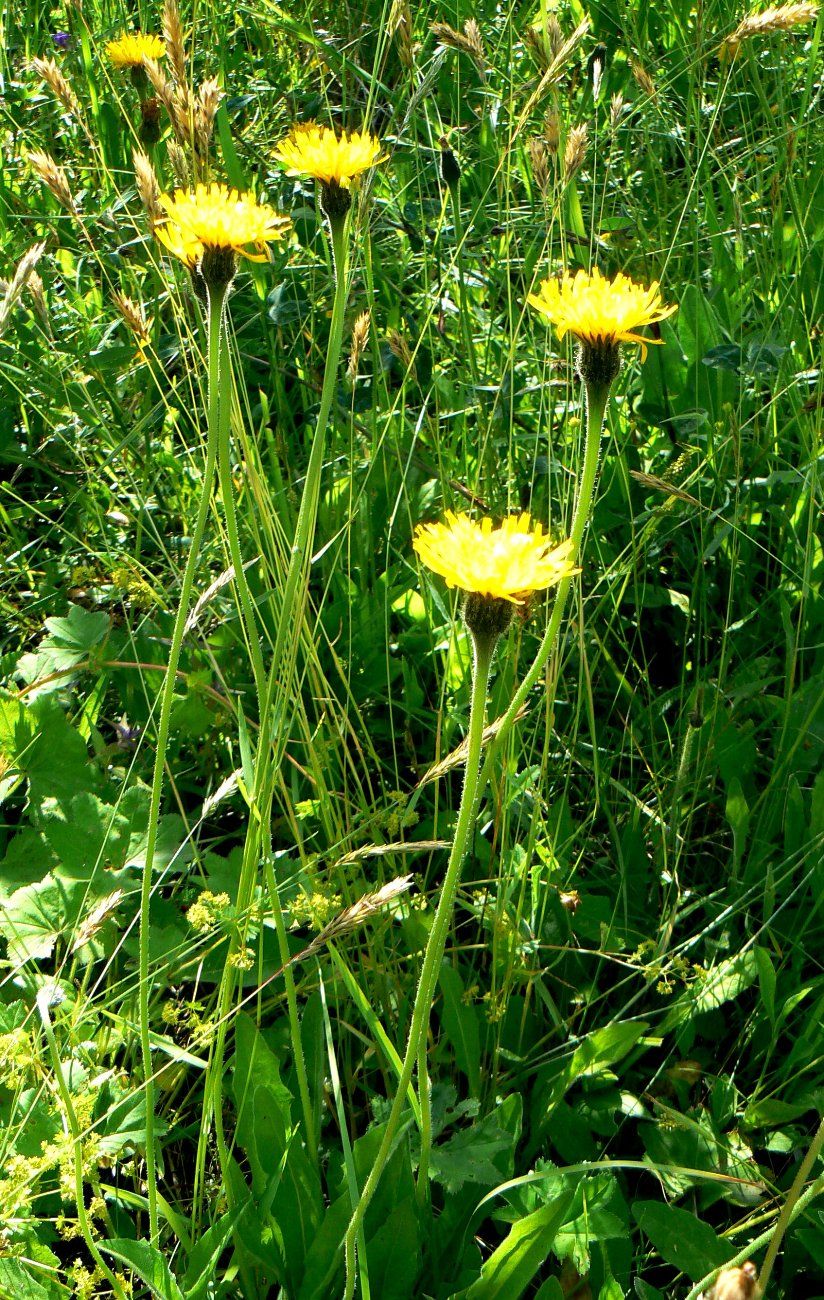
[315,909]
[391,821]
[207,911]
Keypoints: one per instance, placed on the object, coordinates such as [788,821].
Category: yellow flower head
[215,219]
[312,150]
[508,563]
[130,49]
[601,312]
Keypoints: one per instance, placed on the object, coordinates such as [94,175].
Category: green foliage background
[627,1047]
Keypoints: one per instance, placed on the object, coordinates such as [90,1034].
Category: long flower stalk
[280,677]
[166,700]
[436,943]
[596,404]
[246,605]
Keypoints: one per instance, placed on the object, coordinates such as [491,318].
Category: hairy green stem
[433,954]
[281,673]
[247,609]
[597,398]
[166,700]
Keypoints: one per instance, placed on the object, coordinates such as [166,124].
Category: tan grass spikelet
[575,151]
[93,921]
[776,18]
[38,296]
[175,44]
[179,165]
[134,315]
[552,129]
[54,177]
[208,101]
[352,917]
[147,185]
[14,289]
[166,93]
[53,76]
[469,41]
[399,348]
[458,755]
[545,42]
[643,79]
[360,338]
[539,161]
[401,27]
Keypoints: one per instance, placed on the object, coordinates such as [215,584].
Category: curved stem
[433,955]
[596,400]
[793,1198]
[166,700]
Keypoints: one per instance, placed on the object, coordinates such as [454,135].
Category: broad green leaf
[460,1025]
[36,916]
[468,1156]
[202,1263]
[766,980]
[738,816]
[147,1262]
[394,1254]
[605,1047]
[681,1239]
[551,1290]
[510,1269]
[17,1283]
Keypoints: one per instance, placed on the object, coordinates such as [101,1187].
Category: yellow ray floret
[317,151]
[508,562]
[130,49]
[217,218]
[601,311]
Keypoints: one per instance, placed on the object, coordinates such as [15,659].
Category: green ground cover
[625,1049]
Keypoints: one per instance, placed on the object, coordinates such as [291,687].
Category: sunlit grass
[630,978]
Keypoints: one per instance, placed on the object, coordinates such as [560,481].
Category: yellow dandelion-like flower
[214,219]
[130,49]
[601,313]
[507,563]
[312,150]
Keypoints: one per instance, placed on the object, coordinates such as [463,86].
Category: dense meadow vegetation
[237,772]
